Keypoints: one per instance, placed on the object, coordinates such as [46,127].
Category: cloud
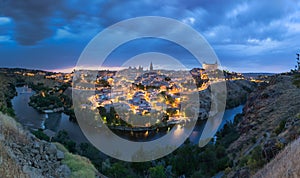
[4,39]
[189,20]
[236,29]
[31,19]
[4,20]
[38,20]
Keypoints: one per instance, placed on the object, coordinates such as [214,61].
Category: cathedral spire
[151,66]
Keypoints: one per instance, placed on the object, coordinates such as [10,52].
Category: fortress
[210,67]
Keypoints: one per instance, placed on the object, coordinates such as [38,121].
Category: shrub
[256,160]
[280,127]
[41,135]
[157,172]
[80,166]
[296,80]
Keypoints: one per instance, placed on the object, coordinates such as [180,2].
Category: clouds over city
[239,31]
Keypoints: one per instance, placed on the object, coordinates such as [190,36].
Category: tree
[298,62]
[63,138]
[118,170]
[157,172]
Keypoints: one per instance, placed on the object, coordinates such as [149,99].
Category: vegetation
[188,160]
[296,80]
[41,135]
[10,131]
[283,162]
[256,160]
[80,166]
[7,92]
[157,172]
[49,98]
[280,127]
[63,138]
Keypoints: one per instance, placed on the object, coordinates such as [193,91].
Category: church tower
[151,66]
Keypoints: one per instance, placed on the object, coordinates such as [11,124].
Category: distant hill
[255,75]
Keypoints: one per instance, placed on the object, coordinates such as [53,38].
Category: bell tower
[151,66]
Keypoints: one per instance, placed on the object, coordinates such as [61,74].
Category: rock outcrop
[28,156]
[238,91]
[237,94]
[34,157]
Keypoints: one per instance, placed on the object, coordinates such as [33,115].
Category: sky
[247,36]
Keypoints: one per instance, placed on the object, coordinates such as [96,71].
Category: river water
[32,119]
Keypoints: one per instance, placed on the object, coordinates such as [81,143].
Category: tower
[151,66]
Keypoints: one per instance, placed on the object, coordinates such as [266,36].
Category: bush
[118,170]
[280,127]
[157,172]
[63,138]
[256,160]
[80,166]
[41,135]
[296,80]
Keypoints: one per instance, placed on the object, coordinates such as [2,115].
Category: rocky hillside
[237,93]
[285,164]
[270,121]
[23,155]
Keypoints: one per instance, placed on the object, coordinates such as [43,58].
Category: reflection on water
[32,119]
[229,115]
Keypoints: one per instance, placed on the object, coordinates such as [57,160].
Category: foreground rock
[37,158]
[23,155]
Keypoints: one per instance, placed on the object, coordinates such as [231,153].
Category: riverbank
[34,120]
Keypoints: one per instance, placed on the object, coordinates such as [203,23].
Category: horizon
[69,70]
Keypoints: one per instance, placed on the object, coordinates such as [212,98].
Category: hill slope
[270,121]
[286,164]
[23,155]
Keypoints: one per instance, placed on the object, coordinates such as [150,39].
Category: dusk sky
[247,36]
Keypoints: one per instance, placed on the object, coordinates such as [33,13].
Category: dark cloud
[231,26]
[31,18]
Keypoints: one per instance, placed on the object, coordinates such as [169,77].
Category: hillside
[270,121]
[23,155]
[285,164]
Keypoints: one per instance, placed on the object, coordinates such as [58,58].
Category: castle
[210,67]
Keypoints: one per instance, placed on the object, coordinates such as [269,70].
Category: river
[32,119]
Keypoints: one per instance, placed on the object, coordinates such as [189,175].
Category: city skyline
[248,36]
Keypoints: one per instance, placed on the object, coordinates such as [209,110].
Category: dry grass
[8,168]
[285,164]
[12,130]
[9,130]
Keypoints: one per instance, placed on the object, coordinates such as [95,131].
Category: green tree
[63,138]
[157,172]
[118,170]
